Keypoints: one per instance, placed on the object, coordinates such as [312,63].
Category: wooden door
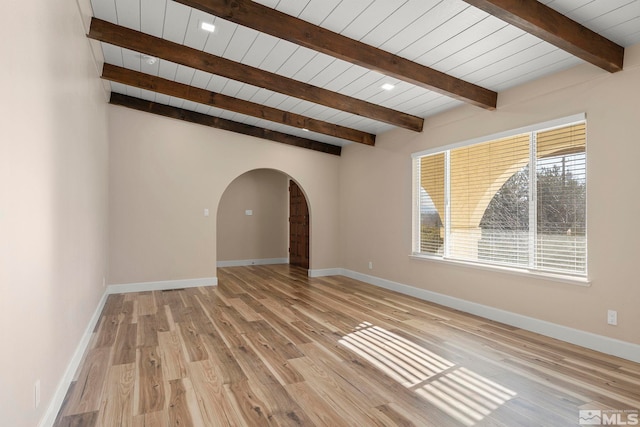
[298,227]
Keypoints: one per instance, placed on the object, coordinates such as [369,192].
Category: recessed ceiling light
[207,26]
[387,86]
[149,59]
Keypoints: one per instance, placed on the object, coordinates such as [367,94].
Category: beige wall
[263,235]
[164,173]
[53,199]
[375,202]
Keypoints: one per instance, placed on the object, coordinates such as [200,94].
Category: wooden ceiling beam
[134,40]
[267,20]
[553,27]
[202,96]
[219,123]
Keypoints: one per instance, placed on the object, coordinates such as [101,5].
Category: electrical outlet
[36,394]
[612,317]
[370,265]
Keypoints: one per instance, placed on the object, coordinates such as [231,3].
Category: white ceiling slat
[195,36]
[368,80]
[376,14]
[261,96]
[217,43]
[278,56]
[247,92]
[105,10]
[259,50]
[442,36]
[152,16]
[440,105]
[292,7]
[176,19]
[296,61]
[167,69]
[316,65]
[317,11]
[498,54]
[201,79]
[527,61]
[190,105]
[217,83]
[344,14]
[202,109]
[176,102]
[269,3]
[613,18]
[458,43]
[552,61]
[320,112]
[184,74]
[484,51]
[147,95]
[587,12]
[163,99]
[468,45]
[430,30]
[375,94]
[400,94]
[413,101]
[112,54]
[131,59]
[626,34]
[331,72]
[389,26]
[290,104]
[231,88]
[134,92]
[118,88]
[148,68]
[128,13]
[241,41]
[347,77]
[275,99]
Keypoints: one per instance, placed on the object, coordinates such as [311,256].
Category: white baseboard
[56,402]
[245,262]
[61,391]
[326,272]
[162,285]
[612,346]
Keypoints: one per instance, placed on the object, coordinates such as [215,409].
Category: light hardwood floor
[270,346]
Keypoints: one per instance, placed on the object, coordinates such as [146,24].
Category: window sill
[562,278]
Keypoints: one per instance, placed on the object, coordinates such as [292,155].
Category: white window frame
[579,279]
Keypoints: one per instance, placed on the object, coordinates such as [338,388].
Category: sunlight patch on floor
[457,391]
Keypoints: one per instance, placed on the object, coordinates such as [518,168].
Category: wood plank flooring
[270,346]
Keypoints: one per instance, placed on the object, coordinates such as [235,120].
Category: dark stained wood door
[298,227]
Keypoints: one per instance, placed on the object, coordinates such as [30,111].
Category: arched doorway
[263,218]
[298,227]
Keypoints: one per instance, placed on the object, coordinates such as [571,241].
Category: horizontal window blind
[561,199]
[489,217]
[431,203]
[516,201]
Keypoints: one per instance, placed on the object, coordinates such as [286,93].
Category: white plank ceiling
[447,35]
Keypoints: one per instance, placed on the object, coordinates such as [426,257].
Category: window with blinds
[516,201]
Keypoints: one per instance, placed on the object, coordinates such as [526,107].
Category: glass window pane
[489,201]
[432,170]
[561,208]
